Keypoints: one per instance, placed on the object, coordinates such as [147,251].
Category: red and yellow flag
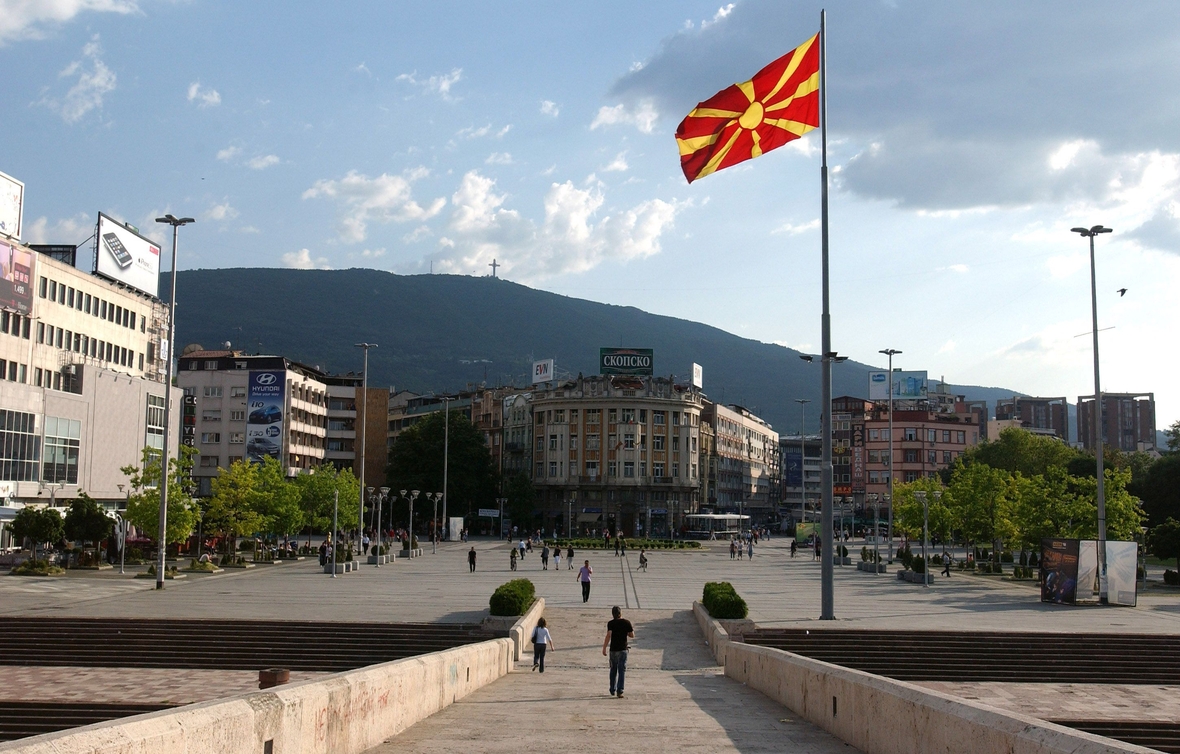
[743,121]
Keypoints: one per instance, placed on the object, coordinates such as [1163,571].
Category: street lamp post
[176,223]
[446,450]
[364,419]
[876,499]
[1097,423]
[921,495]
[501,501]
[890,352]
[803,456]
[413,496]
[926,526]
[435,496]
[384,495]
[335,513]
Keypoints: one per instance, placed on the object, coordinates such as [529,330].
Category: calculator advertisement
[127,257]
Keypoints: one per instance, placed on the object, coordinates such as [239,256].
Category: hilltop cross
[494,264]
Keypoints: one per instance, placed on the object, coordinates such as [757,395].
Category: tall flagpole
[827,609]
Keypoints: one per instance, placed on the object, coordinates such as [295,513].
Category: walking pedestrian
[471,559]
[623,545]
[740,549]
[569,557]
[545,558]
[618,630]
[512,559]
[522,549]
[542,642]
[556,558]
[732,549]
[750,550]
[617,538]
[794,547]
[946,564]
[584,576]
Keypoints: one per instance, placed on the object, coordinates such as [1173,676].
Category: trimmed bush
[1005,557]
[723,602]
[513,597]
[1172,578]
[38,568]
[917,565]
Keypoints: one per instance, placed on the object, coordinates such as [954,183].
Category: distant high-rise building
[1128,421]
[1038,415]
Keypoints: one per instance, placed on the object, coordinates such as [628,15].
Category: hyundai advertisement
[265,399]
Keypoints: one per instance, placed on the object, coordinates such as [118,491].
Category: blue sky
[966,141]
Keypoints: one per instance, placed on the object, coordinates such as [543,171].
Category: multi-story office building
[347,418]
[291,424]
[1038,415]
[616,453]
[81,380]
[924,443]
[1128,421]
[800,464]
[518,435]
[747,461]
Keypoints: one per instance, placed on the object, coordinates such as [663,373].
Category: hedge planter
[914,577]
[378,559]
[841,561]
[347,567]
[415,553]
[868,567]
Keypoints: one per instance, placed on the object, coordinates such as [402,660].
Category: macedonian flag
[780,104]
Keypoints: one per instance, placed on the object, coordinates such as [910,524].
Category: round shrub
[723,602]
[513,597]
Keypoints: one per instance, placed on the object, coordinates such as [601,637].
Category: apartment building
[616,453]
[243,406]
[347,417]
[1044,416]
[1128,421]
[518,435]
[747,461]
[800,475]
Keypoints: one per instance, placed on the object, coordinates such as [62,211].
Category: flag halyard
[743,121]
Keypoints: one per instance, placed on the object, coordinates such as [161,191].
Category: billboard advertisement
[16,278]
[1122,570]
[265,400]
[127,257]
[542,371]
[12,206]
[1059,571]
[698,376]
[793,466]
[625,361]
[907,386]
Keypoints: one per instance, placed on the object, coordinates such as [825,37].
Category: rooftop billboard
[625,361]
[127,257]
[12,206]
[907,386]
[16,278]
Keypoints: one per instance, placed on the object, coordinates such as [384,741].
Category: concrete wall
[882,716]
[342,714]
[715,634]
[522,631]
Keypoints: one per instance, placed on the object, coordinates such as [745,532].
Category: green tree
[909,514]
[39,525]
[1165,541]
[521,501]
[1047,505]
[317,492]
[1124,514]
[233,509]
[416,462]
[278,500]
[1160,489]
[143,504]
[86,521]
[1018,450]
[1173,435]
[983,500]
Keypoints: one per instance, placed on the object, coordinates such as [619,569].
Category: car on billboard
[262,446]
[267,414]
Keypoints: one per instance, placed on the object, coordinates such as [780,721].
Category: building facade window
[63,437]
[212,391]
[20,446]
[210,438]
[154,438]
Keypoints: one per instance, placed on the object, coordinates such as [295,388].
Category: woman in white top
[542,642]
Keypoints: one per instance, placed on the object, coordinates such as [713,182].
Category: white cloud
[302,260]
[643,116]
[440,84]
[618,164]
[26,19]
[471,132]
[67,230]
[262,162]
[248,229]
[362,68]
[373,253]
[94,81]
[948,347]
[721,13]
[499,158]
[417,234]
[386,198]
[227,154]
[221,212]
[549,107]
[202,96]
[962,269]
[572,237]
[792,229]
[1065,265]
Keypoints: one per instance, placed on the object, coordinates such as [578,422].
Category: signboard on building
[265,400]
[698,376]
[907,386]
[625,361]
[16,278]
[793,467]
[12,206]
[127,257]
[858,457]
[489,512]
[542,371]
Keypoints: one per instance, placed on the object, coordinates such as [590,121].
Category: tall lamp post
[875,499]
[501,501]
[446,450]
[383,496]
[890,352]
[410,532]
[1097,423]
[435,496]
[176,223]
[803,456]
[921,495]
[364,418]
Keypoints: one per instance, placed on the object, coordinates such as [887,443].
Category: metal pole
[827,597]
[447,452]
[1098,427]
[892,460]
[335,512]
[377,534]
[162,540]
[434,534]
[925,541]
[364,421]
[876,535]
[410,534]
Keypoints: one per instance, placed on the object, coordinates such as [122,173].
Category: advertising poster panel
[907,386]
[265,400]
[1059,570]
[12,206]
[1088,587]
[626,361]
[1122,569]
[793,466]
[16,278]
[542,371]
[127,257]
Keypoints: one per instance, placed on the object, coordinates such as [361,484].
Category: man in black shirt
[617,632]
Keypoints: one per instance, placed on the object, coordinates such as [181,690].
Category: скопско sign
[625,361]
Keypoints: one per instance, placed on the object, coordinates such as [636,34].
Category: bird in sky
[1122,292]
